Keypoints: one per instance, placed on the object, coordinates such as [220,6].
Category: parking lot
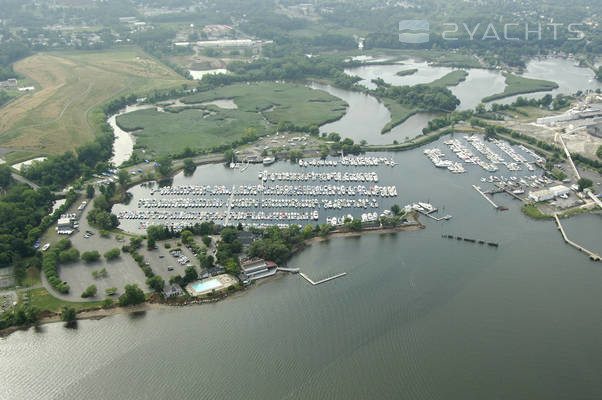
[160,260]
[78,275]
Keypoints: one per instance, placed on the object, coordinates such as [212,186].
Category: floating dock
[591,254]
[291,270]
[323,280]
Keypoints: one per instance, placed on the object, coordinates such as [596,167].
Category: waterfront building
[173,290]
[258,268]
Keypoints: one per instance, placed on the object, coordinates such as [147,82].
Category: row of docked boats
[438,159]
[328,190]
[464,154]
[181,203]
[179,226]
[250,202]
[220,215]
[518,184]
[348,161]
[192,190]
[319,176]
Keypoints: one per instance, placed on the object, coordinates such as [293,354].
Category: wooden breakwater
[469,240]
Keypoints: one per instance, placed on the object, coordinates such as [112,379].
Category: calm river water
[416,317]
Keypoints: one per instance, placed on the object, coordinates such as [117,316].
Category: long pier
[307,278]
[229,206]
[291,270]
[568,155]
[591,254]
[478,189]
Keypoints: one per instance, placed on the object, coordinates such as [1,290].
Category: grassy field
[260,106]
[532,211]
[399,114]
[450,79]
[521,85]
[43,300]
[279,102]
[57,116]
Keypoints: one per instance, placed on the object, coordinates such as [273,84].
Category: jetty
[478,189]
[308,279]
[591,254]
[492,244]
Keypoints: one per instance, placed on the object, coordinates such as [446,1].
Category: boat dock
[444,218]
[291,270]
[591,254]
[478,189]
[323,280]
[230,200]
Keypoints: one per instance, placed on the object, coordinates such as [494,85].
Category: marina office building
[257,269]
[549,194]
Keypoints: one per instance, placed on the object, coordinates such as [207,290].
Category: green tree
[189,166]
[206,240]
[186,236]
[190,274]
[584,183]
[107,303]
[124,177]
[90,191]
[68,256]
[156,283]
[90,291]
[68,314]
[395,209]
[90,256]
[164,164]
[229,156]
[599,152]
[5,176]
[110,291]
[131,295]
[112,254]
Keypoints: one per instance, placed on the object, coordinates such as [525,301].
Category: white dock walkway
[323,280]
[591,254]
[478,189]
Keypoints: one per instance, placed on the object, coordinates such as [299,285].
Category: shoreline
[99,313]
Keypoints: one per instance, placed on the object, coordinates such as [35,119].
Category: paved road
[25,180]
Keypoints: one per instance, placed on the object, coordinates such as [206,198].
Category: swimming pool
[207,285]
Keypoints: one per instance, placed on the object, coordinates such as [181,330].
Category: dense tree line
[100,215]
[424,97]
[61,252]
[21,315]
[22,212]
[11,51]
[228,249]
